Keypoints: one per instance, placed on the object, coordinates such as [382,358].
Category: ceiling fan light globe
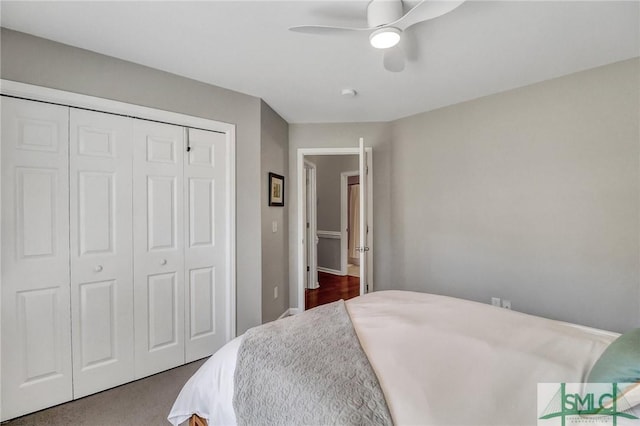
[385,38]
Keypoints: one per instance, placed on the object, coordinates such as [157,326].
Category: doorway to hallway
[330,237]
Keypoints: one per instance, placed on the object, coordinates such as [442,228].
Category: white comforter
[439,360]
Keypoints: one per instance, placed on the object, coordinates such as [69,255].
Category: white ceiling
[482,47]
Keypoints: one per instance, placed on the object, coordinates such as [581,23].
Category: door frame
[301,153]
[76,100]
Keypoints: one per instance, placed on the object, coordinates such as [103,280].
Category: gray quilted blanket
[308,369]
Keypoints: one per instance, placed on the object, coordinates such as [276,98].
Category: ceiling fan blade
[394,59]
[425,10]
[323,29]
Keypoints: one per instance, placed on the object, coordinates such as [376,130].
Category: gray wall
[328,191]
[329,253]
[275,246]
[341,135]
[37,61]
[529,195]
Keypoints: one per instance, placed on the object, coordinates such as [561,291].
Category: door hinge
[367,229]
[367,169]
[308,269]
[366,288]
[307,225]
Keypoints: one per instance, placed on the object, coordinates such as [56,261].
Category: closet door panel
[205,251]
[101,250]
[162,212]
[163,311]
[36,327]
[158,246]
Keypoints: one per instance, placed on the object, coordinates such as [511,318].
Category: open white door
[311,217]
[364,227]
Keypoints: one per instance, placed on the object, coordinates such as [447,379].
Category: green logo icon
[585,403]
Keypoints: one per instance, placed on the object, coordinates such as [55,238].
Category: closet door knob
[98,268]
[163,262]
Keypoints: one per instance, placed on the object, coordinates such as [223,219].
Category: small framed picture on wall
[276,190]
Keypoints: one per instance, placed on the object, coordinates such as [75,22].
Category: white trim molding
[77,100]
[288,313]
[333,235]
[285,314]
[331,271]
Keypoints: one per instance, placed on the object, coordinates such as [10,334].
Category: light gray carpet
[144,402]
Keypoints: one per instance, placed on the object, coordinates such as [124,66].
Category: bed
[437,360]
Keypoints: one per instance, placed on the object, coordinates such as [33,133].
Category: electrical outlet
[275,292]
[495,301]
[506,304]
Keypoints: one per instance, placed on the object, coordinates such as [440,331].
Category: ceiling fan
[387,21]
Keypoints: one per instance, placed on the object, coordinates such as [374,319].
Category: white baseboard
[284,314]
[289,312]
[331,271]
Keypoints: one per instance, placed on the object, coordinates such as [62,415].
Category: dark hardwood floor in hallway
[332,288]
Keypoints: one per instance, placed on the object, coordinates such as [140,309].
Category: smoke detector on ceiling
[349,93]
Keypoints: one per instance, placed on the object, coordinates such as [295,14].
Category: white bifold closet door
[115,250]
[36,328]
[206,232]
[100,155]
[180,212]
[158,232]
